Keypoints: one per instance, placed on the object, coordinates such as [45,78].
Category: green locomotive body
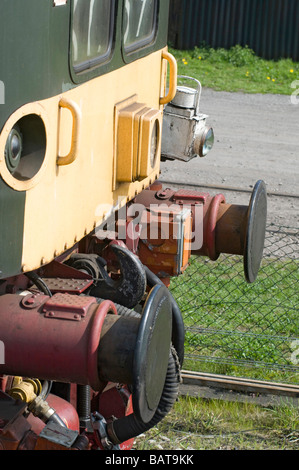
[91,340]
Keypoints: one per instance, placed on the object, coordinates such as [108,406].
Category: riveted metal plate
[31,301]
[190,195]
[67,306]
[68,285]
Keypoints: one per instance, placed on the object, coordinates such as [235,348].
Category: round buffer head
[151,353]
[255,231]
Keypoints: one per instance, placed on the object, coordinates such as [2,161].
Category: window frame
[118,57]
[89,66]
[147,40]
[144,46]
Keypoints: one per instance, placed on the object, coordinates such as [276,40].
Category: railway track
[244,385]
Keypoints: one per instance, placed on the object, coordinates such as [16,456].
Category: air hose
[120,430]
[178,329]
[39,282]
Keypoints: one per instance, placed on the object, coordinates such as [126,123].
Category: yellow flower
[199,57]
[273,79]
[268,78]
[292,71]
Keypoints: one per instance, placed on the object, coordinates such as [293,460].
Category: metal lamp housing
[185,133]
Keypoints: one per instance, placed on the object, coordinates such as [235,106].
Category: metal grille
[233,327]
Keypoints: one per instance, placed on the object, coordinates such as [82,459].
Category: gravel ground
[256,137]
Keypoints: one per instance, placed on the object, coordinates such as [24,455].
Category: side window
[92,32]
[139,23]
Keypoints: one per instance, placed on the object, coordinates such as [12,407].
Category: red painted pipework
[210,213]
[53,338]
[65,411]
[223,224]
[190,198]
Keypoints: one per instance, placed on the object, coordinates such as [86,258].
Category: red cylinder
[210,212]
[65,411]
[53,338]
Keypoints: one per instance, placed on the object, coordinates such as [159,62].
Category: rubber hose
[125,311]
[125,428]
[46,388]
[178,329]
[40,283]
[128,427]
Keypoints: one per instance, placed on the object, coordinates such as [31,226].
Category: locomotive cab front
[92,339]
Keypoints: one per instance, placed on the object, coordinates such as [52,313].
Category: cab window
[91,32]
[139,23]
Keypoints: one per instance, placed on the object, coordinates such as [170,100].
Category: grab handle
[173,73]
[76,115]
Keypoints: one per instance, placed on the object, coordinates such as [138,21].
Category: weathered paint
[42,216]
[63,203]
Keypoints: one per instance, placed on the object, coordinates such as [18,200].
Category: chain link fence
[243,329]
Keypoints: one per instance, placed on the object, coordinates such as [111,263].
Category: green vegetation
[232,327]
[231,321]
[201,424]
[236,328]
[237,69]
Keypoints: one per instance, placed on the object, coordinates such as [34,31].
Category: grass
[249,324]
[237,328]
[210,295]
[201,424]
[214,297]
[228,320]
[238,69]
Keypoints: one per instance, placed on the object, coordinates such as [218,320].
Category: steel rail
[239,384]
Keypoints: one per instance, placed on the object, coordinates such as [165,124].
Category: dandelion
[291,71]
[273,79]
[268,78]
[199,57]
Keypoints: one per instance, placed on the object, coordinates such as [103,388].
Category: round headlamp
[208,141]
[204,141]
[13,149]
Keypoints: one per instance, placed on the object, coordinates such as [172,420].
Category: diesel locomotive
[91,340]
